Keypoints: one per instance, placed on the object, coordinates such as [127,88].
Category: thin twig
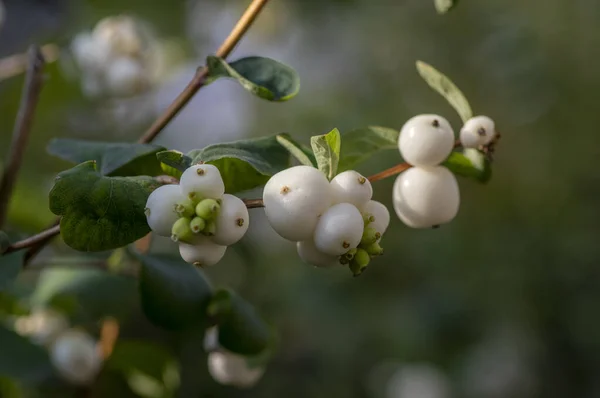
[16,64]
[29,100]
[199,78]
[253,203]
[33,240]
[399,168]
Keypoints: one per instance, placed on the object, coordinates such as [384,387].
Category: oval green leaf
[175,160]
[446,88]
[361,144]
[263,77]
[100,213]
[174,294]
[327,152]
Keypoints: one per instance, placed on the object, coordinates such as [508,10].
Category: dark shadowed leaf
[264,77]
[100,213]
[10,266]
[21,359]
[4,242]
[112,158]
[327,152]
[361,144]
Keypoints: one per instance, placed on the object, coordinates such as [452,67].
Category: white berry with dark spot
[339,229]
[426,140]
[477,131]
[202,181]
[294,199]
[161,206]
[232,221]
[201,251]
[426,197]
[351,187]
[380,213]
[309,253]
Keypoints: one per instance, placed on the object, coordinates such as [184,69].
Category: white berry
[477,131]
[42,326]
[426,140]
[351,187]
[202,251]
[294,199]
[125,76]
[426,197]
[75,356]
[202,181]
[380,213]
[160,208]
[231,369]
[339,229]
[232,221]
[309,253]
[121,34]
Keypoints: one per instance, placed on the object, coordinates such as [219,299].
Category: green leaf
[360,144]
[4,242]
[100,213]
[21,359]
[471,163]
[327,152]
[112,158]
[263,77]
[174,294]
[174,160]
[297,150]
[443,6]
[241,329]
[10,266]
[446,88]
[245,164]
[85,292]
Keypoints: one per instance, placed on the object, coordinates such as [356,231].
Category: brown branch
[253,203]
[29,100]
[198,81]
[16,64]
[33,240]
[399,168]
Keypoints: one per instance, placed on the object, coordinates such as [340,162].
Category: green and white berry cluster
[427,194]
[333,222]
[198,215]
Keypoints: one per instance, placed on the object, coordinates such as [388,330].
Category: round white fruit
[230,369]
[477,131]
[211,339]
[202,252]
[339,229]
[125,76]
[294,199]
[232,221]
[90,54]
[351,187]
[426,197]
[203,181]
[309,253]
[75,356]
[160,208]
[381,214]
[121,33]
[426,140]
[42,326]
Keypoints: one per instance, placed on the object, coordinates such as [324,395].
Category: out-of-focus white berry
[202,181]
[351,187]
[202,252]
[232,221]
[125,76]
[41,326]
[160,209]
[339,229]
[381,214]
[426,140]
[75,356]
[122,34]
[89,53]
[477,131]
[426,197]
[294,199]
[230,369]
[211,339]
[309,253]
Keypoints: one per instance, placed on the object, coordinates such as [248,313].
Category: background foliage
[502,302]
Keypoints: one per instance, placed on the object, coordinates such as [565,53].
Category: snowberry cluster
[198,215]
[333,222]
[114,58]
[427,194]
[73,352]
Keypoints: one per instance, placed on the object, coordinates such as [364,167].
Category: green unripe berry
[210,229]
[185,208]
[197,225]
[349,255]
[207,209]
[344,260]
[374,249]
[368,218]
[370,236]
[181,231]
[360,262]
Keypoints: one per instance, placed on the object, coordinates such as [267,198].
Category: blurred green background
[502,302]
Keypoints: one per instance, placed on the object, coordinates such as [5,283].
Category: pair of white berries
[73,352]
[326,219]
[427,195]
[198,215]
